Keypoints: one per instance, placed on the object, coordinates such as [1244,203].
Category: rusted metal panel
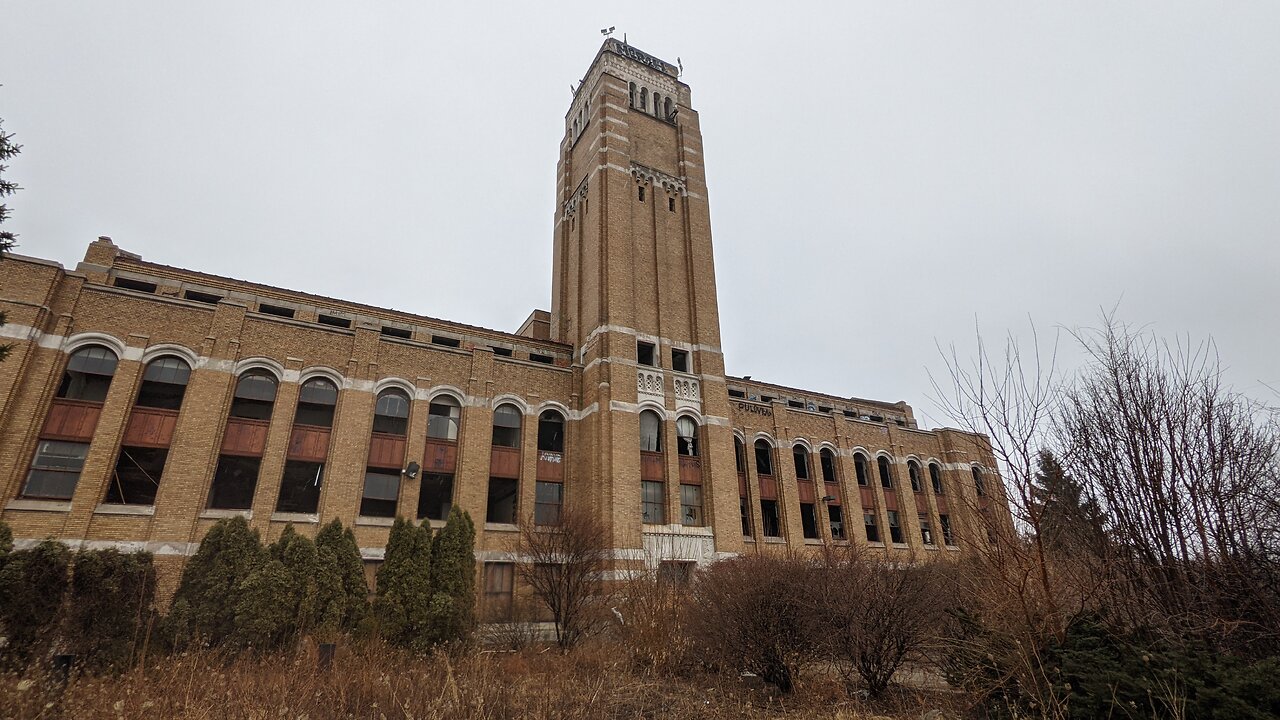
[386,451]
[890,500]
[309,443]
[806,491]
[441,456]
[651,466]
[245,437]
[742,484]
[768,488]
[71,420]
[150,427]
[868,497]
[833,492]
[504,462]
[550,466]
[690,470]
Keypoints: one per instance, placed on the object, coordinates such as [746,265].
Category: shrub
[276,602]
[6,541]
[203,607]
[110,607]
[32,586]
[453,584]
[403,603]
[342,594]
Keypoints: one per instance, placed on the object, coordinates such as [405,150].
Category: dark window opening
[334,320]
[137,476]
[202,297]
[886,476]
[506,426]
[435,499]
[652,503]
[836,515]
[396,332]
[55,471]
[764,458]
[164,383]
[645,354]
[502,501]
[139,285]
[744,507]
[391,413]
[680,360]
[828,461]
[795,404]
[869,521]
[641,193]
[875,418]
[300,487]
[687,436]
[935,477]
[544,359]
[926,530]
[443,415]
[824,408]
[742,394]
[276,310]
[445,341]
[671,204]
[772,524]
[809,521]
[547,501]
[895,528]
[315,403]
[551,431]
[691,505]
[948,532]
[88,375]
[849,413]
[739,455]
[234,481]
[255,394]
[381,490]
[504,352]
[979,483]
[860,468]
[800,455]
[913,472]
[767,398]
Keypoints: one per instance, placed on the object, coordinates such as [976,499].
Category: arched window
[650,431]
[644,98]
[442,418]
[391,412]
[739,455]
[828,461]
[551,431]
[656,109]
[149,432]
[88,374]
[308,447]
[913,472]
[886,474]
[687,436]
[632,101]
[506,426]
[744,502]
[935,477]
[979,483]
[666,109]
[860,468]
[243,442]
[504,465]
[316,402]
[800,455]
[764,457]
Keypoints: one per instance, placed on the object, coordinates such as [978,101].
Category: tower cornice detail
[670,183]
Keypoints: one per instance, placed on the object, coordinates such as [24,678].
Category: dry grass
[595,681]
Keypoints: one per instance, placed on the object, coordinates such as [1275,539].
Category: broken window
[131,284]
[55,471]
[501,351]
[926,529]
[800,455]
[860,468]
[506,426]
[391,412]
[334,321]
[548,498]
[551,431]
[739,455]
[740,394]
[836,514]
[979,483]
[650,431]
[234,481]
[300,487]
[276,310]
[828,461]
[675,573]
[435,497]
[445,341]
[772,524]
[948,532]
[652,503]
[502,501]
[395,332]
[499,585]
[316,401]
[935,477]
[686,436]
[442,418]
[895,528]
[886,475]
[869,520]
[254,396]
[645,354]
[202,297]
[744,508]
[913,472]
[691,505]
[381,491]
[809,520]
[88,374]
[680,360]
[544,359]
[795,404]
[164,383]
[764,457]
[136,476]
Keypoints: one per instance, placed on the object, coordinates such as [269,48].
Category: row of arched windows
[660,106]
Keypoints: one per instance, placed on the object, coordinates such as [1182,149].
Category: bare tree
[565,566]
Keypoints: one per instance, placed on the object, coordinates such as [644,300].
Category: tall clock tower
[634,293]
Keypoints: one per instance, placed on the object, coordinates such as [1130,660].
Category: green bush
[343,595]
[6,541]
[110,608]
[204,606]
[403,603]
[453,569]
[32,586]
[277,600]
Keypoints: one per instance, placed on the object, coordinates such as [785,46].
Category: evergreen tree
[6,542]
[7,187]
[204,606]
[110,606]
[32,585]
[453,569]
[343,595]
[403,604]
[277,602]
[1069,520]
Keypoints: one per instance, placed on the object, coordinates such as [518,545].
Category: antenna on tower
[680,64]
[607,31]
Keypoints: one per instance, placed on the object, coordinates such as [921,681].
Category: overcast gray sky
[881,174]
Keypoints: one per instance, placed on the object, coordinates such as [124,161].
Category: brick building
[142,402]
